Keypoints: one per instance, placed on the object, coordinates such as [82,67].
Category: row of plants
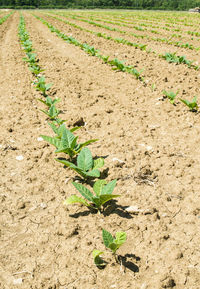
[4,18]
[115,63]
[99,34]
[192,105]
[170,57]
[156,39]
[142,24]
[78,157]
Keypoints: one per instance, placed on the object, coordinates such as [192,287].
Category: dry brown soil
[46,245]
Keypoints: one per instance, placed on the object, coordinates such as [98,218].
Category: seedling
[65,141]
[98,261]
[113,243]
[103,194]
[49,101]
[193,106]
[31,57]
[41,85]
[35,69]
[170,95]
[52,113]
[86,165]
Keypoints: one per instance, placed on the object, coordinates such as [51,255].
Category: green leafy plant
[110,242]
[98,261]
[102,194]
[170,95]
[41,85]
[86,165]
[31,57]
[35,69]
[193,106]
[113,243]
[65,141]
[49,101]
[52,113]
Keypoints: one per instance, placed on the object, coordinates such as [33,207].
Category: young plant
[86,166]
[113,243]
[49,101]
[41,85]
[31,57]
[52,113]
[102,194]
[98,261]
[65,141]
[193,106]
[170,95]
[35,69]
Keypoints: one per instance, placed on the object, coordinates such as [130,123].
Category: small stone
[133,210]
[118,162]
[21,205]
[43,205]
[19,158]
[17,281]
[179,255]
[40,139]
[67,180]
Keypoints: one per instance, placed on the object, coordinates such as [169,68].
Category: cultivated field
[131,80]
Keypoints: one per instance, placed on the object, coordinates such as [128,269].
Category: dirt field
[150,146]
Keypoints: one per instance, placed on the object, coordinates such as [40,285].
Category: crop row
[141,26]
[142,36]
[90,50]
[170,57]
[193,106]
[153,24]
[170,21]
[78,157]
[3,19]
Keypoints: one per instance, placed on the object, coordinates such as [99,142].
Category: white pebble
[133,209]
[43,205]
[17,281]
[40,139]
[118,160]
[19,158]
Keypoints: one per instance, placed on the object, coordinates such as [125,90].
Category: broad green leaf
[105,198]
[120,238]
[93,173]
[87,143]
[52,140]
[74,143]
[67,138]
[75,128]
[98,163]
[54,127]
[108,189]
[61,128]
[84,191]
[48,86]
[107,238]
[75,199]
[98,186]
[85,160]
[67,164]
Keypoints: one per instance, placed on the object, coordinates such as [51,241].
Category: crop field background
[124,77]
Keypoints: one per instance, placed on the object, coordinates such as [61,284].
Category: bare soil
[46,245]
